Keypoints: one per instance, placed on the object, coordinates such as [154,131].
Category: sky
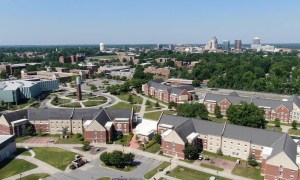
[62,22]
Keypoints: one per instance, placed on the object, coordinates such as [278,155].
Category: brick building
[285,110]
[97,125]
[275,150]
[71,59]
[168,93]
[160,71]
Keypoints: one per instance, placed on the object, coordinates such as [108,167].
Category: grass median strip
[151,173]
[35,176]
[211,167]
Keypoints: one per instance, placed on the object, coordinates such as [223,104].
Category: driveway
[94,171]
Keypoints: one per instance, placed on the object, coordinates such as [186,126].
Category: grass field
[154,148]
[153,115]
[98,98]
[151,173]
[35,176]
[56,157]
[125,140]
[72,140]
[10,167]
[22,151]
[124,105]
[222,120]
[212,167]
[188,160]
[294,131]
[136,99]
[185,173]
[21,139]
[248,172]
[60,101]
[93,103]
[71,105]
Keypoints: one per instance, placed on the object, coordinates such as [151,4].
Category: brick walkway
[133,143]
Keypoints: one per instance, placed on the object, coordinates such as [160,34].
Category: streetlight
[170,164]
[20,175]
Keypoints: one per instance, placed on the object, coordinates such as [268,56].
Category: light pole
[20,176]
[170,164]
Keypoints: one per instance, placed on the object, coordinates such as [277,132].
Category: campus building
[16,90]
[286,110]
[97,125]
[275,150]
[7,146]
[166,93]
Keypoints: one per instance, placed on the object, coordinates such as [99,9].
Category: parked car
[200,157]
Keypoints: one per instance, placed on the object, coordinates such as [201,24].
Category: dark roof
[102,117]
[287,145]
[295,99]
[5,140]
[185,129]
[253,135]
[38,114]
[60,114]
[208,127]
[232,99]
[158,80]
[173,120]
[16,115]
[188,88]
[85,114]
[171,90]
[118,113]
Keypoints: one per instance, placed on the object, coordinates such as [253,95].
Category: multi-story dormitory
[275,150]
[97,125]
[286,110]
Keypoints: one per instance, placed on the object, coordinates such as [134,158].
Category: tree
[191,152]
[277,122]
[29,130]
[105,158]
[172,104]
[251,160]
[157,105]
[130,99]
[219,152]
[117,159]
[148,103]
[85,145]
[64,130]
[294,124]
[157,138]
[192,110]
[2,104]
[93,87]
[217,112]
[128,158]
[245,114]
[3,75]
[31,100]
[196,83]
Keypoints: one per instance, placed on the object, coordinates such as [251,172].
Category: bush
[294,124]
[251,160]
[86,145]
[219,152]
[277,122]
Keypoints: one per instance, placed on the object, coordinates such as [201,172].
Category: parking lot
[93,170]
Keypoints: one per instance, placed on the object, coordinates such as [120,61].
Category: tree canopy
[192,110]
[245,114]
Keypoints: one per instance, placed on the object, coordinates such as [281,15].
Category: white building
[101,46]
[212,44]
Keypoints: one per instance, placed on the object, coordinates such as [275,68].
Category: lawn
[22,151]
[294,131]
[104,178]
[271,128]
[35,176]
[248,172]
[21,139]
[153,115]
[221,120]
[210,154]
[188,160]
[93,103]
[98,98]
[162,102]
[211,167]
[56,157]
[128,169]
[125,140]
[60,101]
[154,148]
[151,173]
[136,99]
[72,140]
[124,105]
[74,104]
[10,167]
[185,173]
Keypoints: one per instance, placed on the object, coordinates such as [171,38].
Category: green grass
[124,105]
[222,120]
[153,115]
[185,173]
[294,131]
[248,172]
[99,98]
[21,139]
[104,178]
[22,151]
[74,104]
[93,103]
[279,129]
[151,173]
[212,167]
[125,140]
[71,140]
[35,176]
[128,169]
[160,101]
[154,148]
[136,99]
[60,101]
[56,157]
[187,160]
[11,167]
[214,155]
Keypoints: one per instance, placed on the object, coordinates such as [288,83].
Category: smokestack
[78,86]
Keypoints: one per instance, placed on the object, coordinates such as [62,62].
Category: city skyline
[33,22]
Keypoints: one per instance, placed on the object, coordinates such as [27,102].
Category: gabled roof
[16,115]
[185,129]
[102,118]
[295,99]
[38,114]
[188,88]
[118,113]
[60,114]
[208,127]
[172,120]
[287,145]
[85,114]
[176,91]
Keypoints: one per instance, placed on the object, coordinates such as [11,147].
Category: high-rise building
[171,47]
[238,44]
[226,45]
[255,43]
[159,46]
[212,44]
[101,46]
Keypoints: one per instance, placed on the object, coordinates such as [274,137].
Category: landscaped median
[161,167]
[185,173]
[35,176]
[56,157]
[11,167]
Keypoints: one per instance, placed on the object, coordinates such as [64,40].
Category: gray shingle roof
[233,99]
[171,90]
[208,127]
[102,117]
[85,114]
[173,120]
[16,115]
[118,113]
[38,114]
[287,145]
[274,104]
[185,129]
